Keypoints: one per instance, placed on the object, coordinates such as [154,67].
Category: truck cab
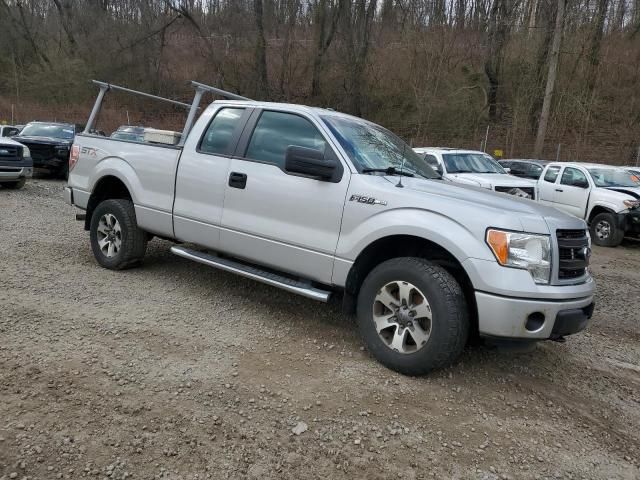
[471,167]
[607,197]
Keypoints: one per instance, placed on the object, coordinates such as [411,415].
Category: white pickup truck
[471,167]
[318,202]
[607,197]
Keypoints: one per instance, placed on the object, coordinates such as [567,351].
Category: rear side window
[9,132]
[552,174]
[220,133]
[431,160]
[276,131]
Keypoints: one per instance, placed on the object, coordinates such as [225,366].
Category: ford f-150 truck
[318,202]
[607,197]
[15,164]
[49,144]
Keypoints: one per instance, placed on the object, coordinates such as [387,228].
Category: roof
[446,149]
[586,165]
[54,123]
[533,160]
[295,107]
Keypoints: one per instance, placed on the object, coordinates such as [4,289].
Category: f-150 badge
[367,200]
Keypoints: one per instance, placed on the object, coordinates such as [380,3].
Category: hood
[42,140]
[491,180]
[8,142]
[475,204]
[631,191]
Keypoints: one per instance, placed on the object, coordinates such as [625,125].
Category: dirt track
[175,370]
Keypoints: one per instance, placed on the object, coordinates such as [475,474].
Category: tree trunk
[551,81]
[324,37]
[262,87]
[596,43]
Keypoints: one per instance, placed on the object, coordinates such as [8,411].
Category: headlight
[26,153]
[522,250]
[631,203]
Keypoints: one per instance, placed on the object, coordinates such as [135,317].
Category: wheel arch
[106,188]
[598,209]
[403,245]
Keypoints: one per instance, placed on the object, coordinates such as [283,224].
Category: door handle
[238,180]
[559,190]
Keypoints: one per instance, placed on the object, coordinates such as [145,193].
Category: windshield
[64,132]
[612,177]
[471,163]
[370,146]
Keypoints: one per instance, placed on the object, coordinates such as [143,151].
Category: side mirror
[506,169]
[310,162]
[581,183]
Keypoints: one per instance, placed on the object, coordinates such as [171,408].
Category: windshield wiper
[462,171]
[388,171]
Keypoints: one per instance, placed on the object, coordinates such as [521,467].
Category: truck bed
[148,171]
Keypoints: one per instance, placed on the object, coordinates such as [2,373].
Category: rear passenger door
[282,220]
[202,176]
[547,185]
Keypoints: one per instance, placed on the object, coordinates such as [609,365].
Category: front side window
[369,146]
[471,163]
[219,135]
[277,131]
[573,177]
[551,174]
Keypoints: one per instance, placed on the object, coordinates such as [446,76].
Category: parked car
[314,202]
[49,144]
[129,133]
[522,168]
[606,197]
[471,167]
[15,164]
[9,130]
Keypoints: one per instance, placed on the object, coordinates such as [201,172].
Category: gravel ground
[175,370]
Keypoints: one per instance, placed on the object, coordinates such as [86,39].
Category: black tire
[449,316]
[14,185]
[133,240]
[63,172]
[605,231]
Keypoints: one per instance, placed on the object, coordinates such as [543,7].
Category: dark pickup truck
[49,144]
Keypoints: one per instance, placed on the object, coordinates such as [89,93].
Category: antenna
[399,184]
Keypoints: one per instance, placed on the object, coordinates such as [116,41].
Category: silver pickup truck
[318,202]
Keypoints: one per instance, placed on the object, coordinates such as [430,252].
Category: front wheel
[605,231]
[412,315]
[14,185]
[116,240]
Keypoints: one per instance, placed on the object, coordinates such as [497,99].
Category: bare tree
[551,80]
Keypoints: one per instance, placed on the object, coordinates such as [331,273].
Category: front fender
[604,204]
[450,235]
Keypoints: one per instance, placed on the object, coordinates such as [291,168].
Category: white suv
[476,168]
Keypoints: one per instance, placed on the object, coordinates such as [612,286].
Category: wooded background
[437,72]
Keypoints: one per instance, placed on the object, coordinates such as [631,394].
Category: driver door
[279,219]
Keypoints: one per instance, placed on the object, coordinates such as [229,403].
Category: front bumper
[8,174]
[630,221]
[531,319]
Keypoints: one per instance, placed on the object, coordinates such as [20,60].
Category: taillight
[74,156]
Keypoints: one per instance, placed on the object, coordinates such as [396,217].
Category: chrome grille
[573,253]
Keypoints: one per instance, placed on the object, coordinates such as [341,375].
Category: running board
[254,273]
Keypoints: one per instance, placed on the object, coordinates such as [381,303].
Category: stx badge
[367,200]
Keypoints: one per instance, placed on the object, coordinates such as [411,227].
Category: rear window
[552,174]
[219,135]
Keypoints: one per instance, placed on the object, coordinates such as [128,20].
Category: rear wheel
[116,240]
[14,185]
[412,315]
[605,231]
